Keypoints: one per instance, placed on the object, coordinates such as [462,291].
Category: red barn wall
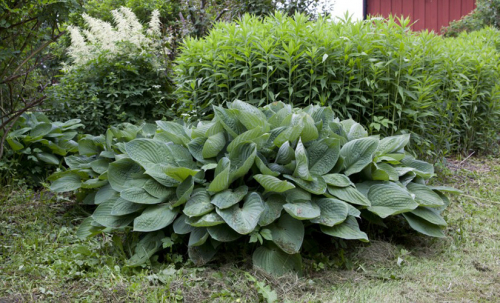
[427,14]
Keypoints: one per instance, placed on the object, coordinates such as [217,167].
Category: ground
[42,260]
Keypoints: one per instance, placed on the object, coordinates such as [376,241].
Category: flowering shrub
[117,73]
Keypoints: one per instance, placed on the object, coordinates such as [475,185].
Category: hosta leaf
[146,248]
[250,116]
[125,173]
[333,212]
[87,230]
[392,144]
[421,168]
[123,207]
[285,154]
[317,186]
[423,226]
[180,173]
[198,237]
[273,184]
[302,164]
[272,209]
[309,131]
[349,194]
[305,210]
[47,158]
[200,255]
[181,227]
[210,219]
[445,189]
[262,165]
[100,165]
[228,119]
[94,183]
[242,158]
[276,262]
[78,162]
[195,147]
[221,179]
[155,217]
[106,194]
[183,191]
[288,234]
[291,134]
[358,154]
[66,183]
[244,220]
[390,199]
[356,131]
[138,195]
[199,203]
[297,195]
[384,172]
[223,233]
[353,211]
[228,197]
[157,190]
[174,132]
[214,145]
[158,173]
[337,180]
[323,155]
[102,215]
[349,230]
[246,137]
[425,196]
[429,214]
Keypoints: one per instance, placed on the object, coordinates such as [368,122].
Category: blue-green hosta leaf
[199,203]
[195,147]
[358,154]
[214,145]
[390,199]
[102,215]
[423,226]
[157,190]
[206,129]
[68,182]
[384,172]
[425,196]
[285,154]
[89,199]
[356,132]
[390,158]
[158,173]
[445,189]
[349,194]
[261,163]
[246,137]
[198,237]
[47,158]
[210,219]
[87,230]
[181,227]
[100,165]
[290,133]
[276,262]
[94,183]
[242,158]
[228,197]
[155,217]
[349,230]
[184,191]
[272,209]
[125,173]
[229,120]
[180,173]
[392,144]
[250,116]
[244,220]
[323,155]
[279,169]
[353,211]
[90,145]
[150,153]
[200,255]
[221,179]
[174,132]
[309,132]
[421,168]
[304,210]
[333,212]
[273,184]
[106,194]
[138,195]
[302,163]
[288,234]
[146,248]
[40,130]
[429,214]
[78,162]
[317,186]
[223,233]
[297,195]
[337,180]
[123,207]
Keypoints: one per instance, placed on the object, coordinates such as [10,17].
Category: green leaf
[102,215]
[155,217]
[358,154]
[94,183]
[125,173]
[223,233]
[221,179]
[87,229]
[309,131]
[429,214]
[200,255]
[285,154]
[242,158]
[390,199]
[392,144]
[262,165]
[337,180]
[425,196]
[244,220]
[174,132]
[305,210]
[317,186]
[446,189]
[198,237]
[323,155]
[47,158]
[250,116]
[157,190]
[272,209]
[423,226]
[123,207]
[210,219]
[146,248]
[138,195]
[333,212]
[106,194]
[348,230]
[195,147]
[229,120]
[184,191]
[199,203]
[276,262]
[180,173]
[246,137]
[349,194]
[213,146]
[181,227]
[228,198]
[273,184]
[66,183]
[288,234]
[100,165]
[302,164]
[421,168]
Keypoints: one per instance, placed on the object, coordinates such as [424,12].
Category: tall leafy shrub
[116,74]
[267,175]
[377,72]
[487,13]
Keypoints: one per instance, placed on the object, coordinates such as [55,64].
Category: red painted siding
[426,14]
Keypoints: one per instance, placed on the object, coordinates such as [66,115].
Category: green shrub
[486,14]
[117,74]
[36,147]
[259,175]
[377,72]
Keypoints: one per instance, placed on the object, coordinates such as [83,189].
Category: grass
[42,260]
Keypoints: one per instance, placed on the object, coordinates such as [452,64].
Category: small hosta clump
[250,174]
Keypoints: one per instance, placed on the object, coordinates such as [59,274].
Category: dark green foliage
[36,147]
[377,72]
[487,13]
[259,175]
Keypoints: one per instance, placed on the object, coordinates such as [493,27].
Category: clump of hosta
[250,174]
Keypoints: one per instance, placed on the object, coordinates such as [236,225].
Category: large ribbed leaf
[199,203]
[106,194]
[317,186]
[198,237]
[246,137]
[87,229]
[244,220]
[333,212]
[201,255]
[425,196]
[445,189]
[383,172]
[47,158]
[276,262]
[392,144]
[423,226]
[309,132]
[181,227]
[297,195]
[100,165]
[183,191]
[323,155]
[228,119]
[180,173]
[263,166]
[146,248]
[157,190]
[155,217]
[288,234]
[349,194]
[102,215]
[285,154]
[242,158]
[125,173]
[223,233]
[358,154]
[305,210]
[356,131]
[302,164]
[221,180]
[174,132]
[158,173]
[210,219]
[272,209]
[228,197]
[68,182]
[390,199]
[429,214]
[214,145]
[273,184]
[123,207]
[149,153]
[421,168]
[349,230]
[195,147]
[138,195]
[337,180]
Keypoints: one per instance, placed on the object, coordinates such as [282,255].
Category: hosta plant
[251,174]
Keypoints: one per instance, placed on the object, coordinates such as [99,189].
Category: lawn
[41,259]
